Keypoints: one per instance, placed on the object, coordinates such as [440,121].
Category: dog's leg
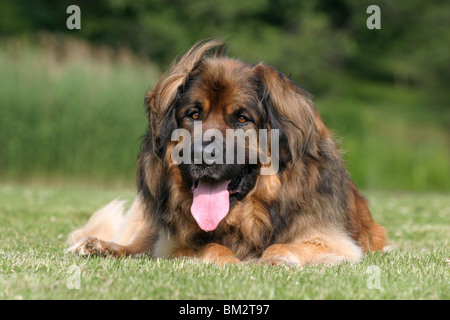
[298,254]
[167,246]
[111,233]
[142,243]
[315,250]
[91,246]
[217,253]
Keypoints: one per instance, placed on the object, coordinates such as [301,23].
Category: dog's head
[218,118]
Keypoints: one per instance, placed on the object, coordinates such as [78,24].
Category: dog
[308,211]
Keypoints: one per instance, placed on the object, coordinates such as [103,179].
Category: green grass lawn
[35,221]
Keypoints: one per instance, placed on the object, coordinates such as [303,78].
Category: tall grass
[69,110]
[392,137]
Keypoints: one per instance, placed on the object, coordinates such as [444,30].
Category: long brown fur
[309,212]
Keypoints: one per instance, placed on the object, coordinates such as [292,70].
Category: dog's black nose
[207,153]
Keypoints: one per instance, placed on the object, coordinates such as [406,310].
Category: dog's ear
[290,110]
[161,101]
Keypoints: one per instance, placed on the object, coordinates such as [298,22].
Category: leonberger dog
[307,212]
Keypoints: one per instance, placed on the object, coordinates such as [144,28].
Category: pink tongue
[211,204]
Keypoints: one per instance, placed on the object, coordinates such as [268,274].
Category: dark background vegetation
[71,101]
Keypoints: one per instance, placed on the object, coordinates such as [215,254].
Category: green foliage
[73,108]
[310,40]
[391,137]
[70,110]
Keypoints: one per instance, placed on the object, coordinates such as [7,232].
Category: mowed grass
[35,221]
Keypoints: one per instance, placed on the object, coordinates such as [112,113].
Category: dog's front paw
[277,260]
[92,246]
[279,254]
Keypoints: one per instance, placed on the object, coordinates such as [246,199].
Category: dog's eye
[195,115]
[242,119]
